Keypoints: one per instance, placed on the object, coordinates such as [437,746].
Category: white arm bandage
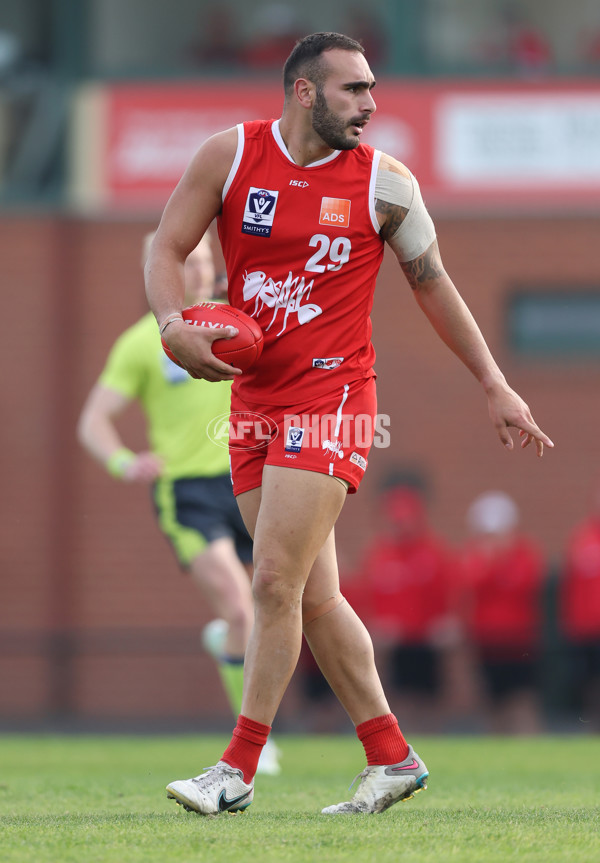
[417,231]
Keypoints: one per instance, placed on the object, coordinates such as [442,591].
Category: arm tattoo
[393,215]
[427,266]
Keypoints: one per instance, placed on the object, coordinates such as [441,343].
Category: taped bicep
[416,231]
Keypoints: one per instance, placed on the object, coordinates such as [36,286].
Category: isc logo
[335,212]
[302,184]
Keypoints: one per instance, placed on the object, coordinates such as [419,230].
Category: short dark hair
[305,61]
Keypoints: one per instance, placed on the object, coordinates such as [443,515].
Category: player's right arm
[194,204]
[97,433]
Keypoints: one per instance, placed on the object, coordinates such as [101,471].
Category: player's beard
[330,126]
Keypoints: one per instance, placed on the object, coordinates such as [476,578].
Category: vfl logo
[335,212]
[294,439]
[259,212]
[327,363]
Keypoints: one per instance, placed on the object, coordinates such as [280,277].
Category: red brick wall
[439,413]
[95,620]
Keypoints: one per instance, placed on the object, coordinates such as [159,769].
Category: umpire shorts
[194,512]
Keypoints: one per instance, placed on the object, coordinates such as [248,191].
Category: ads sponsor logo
[335,212]
[259,212]
[327,363]
[294,439]
[243,429]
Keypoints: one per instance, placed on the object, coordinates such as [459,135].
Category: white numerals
[337,250]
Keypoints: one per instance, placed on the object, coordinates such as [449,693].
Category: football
[242,350]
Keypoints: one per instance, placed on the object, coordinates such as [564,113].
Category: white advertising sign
[529,140]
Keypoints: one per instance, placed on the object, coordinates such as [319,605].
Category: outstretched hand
[508,410]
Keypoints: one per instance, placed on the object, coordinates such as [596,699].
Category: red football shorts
[332,435]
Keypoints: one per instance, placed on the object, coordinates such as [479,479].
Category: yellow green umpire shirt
[178,408]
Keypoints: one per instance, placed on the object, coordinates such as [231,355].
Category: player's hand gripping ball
[242,350]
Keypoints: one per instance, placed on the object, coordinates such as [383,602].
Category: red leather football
[242,350]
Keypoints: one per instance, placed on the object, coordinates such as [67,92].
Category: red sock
[247,742]
[382,739]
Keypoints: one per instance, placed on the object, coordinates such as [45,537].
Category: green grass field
[90,799]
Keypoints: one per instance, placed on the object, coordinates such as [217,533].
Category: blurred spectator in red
[579,612]
[501,573]
[529,52]
[401,590]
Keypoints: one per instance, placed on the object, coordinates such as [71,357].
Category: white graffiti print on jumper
[287,295]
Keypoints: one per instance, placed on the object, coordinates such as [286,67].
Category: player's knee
[272,589]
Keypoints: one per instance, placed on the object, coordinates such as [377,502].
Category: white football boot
[218,789]
[381,786]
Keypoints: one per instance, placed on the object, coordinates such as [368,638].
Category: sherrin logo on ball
[242,350]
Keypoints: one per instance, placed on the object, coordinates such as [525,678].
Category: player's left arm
[408,229]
